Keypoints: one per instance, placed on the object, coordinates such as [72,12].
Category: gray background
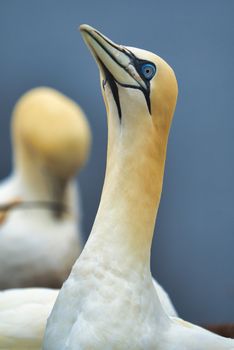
[193,249]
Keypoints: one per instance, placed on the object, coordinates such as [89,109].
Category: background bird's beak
[111,58]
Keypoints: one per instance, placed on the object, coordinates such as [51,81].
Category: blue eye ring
[148,70]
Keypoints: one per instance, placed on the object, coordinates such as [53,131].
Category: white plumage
[165,299]
[23,315]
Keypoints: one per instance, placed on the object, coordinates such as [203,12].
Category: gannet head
[138,86]
[51,132]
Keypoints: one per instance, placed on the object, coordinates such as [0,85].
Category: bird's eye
[148,70]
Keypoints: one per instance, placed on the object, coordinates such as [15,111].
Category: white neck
[124,225]
[37,184]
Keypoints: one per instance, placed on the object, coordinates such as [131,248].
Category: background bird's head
[51,132]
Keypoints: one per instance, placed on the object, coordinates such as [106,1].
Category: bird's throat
[126,216]
[38,184]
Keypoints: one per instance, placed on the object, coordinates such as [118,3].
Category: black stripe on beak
[113,82]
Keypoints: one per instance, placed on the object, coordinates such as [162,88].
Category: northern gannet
[109,300]
[51,140]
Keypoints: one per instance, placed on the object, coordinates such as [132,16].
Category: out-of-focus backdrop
[193,250]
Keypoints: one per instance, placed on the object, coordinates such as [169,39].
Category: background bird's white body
[37,248]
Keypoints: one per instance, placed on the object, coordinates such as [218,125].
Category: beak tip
[81,27]
[85,28]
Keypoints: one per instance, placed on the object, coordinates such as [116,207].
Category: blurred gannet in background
[109,300]
[40,232]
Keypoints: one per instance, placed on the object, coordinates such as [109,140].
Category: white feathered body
[116,309]
[36,247]
[107,307]
[23,315]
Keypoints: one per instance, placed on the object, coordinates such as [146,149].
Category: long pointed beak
[112,58]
